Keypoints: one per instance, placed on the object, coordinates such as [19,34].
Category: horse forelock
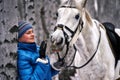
[68,3]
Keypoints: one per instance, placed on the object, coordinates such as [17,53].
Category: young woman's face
[27,37]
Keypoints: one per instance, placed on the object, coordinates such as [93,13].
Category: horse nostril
[51,38]
[60,42]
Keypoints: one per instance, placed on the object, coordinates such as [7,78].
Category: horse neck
[90,32]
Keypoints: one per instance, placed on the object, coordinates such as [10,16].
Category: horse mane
[87,16]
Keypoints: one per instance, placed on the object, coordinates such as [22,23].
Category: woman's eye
[28,32]
[77,16]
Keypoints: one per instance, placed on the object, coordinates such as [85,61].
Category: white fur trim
[45,61]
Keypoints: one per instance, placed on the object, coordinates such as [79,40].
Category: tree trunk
[8,47]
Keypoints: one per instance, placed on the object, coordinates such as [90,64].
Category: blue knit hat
[23,27]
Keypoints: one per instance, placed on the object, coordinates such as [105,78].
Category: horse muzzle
[57,41]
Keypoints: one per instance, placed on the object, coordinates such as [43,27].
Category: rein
[89,59]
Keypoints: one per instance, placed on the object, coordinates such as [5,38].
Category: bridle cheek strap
[77,32]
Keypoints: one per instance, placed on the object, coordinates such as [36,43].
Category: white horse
[81,42]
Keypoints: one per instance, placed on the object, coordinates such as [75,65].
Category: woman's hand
[42,51]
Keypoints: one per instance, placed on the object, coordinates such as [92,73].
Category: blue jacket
[28,68]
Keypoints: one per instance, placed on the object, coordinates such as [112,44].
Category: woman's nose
[33,34]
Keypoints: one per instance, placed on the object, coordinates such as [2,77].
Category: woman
[31,66]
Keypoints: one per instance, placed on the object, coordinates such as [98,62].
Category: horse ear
[80,3]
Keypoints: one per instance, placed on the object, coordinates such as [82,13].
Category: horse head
[68,26]
[69,23]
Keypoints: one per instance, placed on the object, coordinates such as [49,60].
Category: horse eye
[57,14]
[77,16]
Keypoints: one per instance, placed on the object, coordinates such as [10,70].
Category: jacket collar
[27,46]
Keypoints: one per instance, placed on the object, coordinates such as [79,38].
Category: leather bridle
[61,26]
